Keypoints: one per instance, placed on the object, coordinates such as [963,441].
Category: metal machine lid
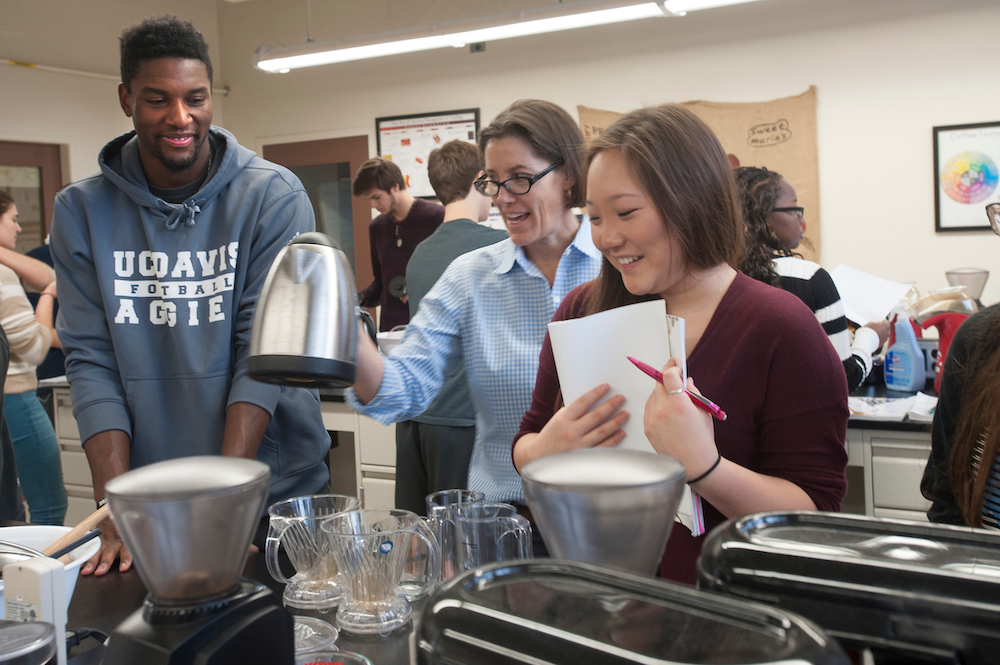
[868,581]
[201,475]
[602,468]
[953,562]
[26,643]
[557,612]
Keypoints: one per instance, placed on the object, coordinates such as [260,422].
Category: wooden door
[326,168]
[32,174]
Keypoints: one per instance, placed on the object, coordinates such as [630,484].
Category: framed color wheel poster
[966,175]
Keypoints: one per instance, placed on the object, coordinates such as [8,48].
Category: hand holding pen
[691,441]
[700,401]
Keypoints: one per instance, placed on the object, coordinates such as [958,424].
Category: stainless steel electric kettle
[305,328]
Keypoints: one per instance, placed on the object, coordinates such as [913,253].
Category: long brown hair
[6,201]
[978,421]
[681,165]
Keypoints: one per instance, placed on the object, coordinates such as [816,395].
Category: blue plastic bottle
[904,362]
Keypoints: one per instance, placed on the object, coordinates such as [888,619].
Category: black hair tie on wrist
[710,470]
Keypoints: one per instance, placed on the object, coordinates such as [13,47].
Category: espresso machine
[188,523]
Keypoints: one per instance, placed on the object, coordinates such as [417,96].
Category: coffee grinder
[188,523]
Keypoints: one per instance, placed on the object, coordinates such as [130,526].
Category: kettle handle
[369,322]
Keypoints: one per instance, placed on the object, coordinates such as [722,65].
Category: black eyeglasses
[993,212]
[796,210]
[517,185]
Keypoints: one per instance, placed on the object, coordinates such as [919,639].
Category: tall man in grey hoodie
[160,258]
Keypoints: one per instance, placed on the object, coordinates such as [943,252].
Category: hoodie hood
[120,164]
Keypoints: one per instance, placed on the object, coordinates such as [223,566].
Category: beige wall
[886,72]
[79,112]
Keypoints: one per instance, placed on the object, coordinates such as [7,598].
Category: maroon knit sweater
[767,362]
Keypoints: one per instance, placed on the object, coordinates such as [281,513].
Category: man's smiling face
[170,103]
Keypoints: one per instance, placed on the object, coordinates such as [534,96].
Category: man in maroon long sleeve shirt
[403,223]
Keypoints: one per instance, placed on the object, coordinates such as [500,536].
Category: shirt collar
[583,242]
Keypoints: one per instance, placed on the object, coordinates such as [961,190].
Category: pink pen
[700,401]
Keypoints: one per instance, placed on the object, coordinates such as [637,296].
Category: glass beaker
[442,508]
[490,532]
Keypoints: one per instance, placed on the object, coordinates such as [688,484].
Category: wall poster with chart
[966,159]
[407,140]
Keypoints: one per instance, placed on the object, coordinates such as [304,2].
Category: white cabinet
[366,447]
[893,462]
[76,470]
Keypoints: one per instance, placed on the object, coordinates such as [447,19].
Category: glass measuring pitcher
[490,532]
[442,510]
[295,525]
[371,548]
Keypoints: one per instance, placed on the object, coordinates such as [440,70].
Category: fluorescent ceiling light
[519,25]
[272,60]
[683,6]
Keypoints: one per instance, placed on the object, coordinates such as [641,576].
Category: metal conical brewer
[305,327]
[188,523]
[606,506]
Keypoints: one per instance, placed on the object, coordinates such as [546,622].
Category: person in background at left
[774,228]
[161,257]
[433,449]
[403,223]
[54,363]
[30,333]
[962,476]
[665,214]
[11,502]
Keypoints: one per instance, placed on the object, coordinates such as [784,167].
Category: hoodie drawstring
[184,212]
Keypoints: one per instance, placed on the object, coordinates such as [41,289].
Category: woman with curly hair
[774,227]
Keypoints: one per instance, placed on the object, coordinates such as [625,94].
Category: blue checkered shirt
[490,308]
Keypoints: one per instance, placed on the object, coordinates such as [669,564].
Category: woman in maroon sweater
[665,213]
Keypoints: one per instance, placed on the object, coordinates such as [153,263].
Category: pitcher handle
[271,554]
[424,532]
[520,528]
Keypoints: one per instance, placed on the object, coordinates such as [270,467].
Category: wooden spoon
[85,525]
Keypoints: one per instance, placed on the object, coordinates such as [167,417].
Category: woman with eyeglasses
[774,228]
[491,306]
[665,213]
[962,476]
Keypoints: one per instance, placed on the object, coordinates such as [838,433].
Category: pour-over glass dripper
[188,523]
[295,525]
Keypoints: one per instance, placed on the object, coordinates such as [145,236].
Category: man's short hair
[377,173]
[452,168]
[160,37]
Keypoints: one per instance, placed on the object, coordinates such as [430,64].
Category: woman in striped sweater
[774,227]
[30,334]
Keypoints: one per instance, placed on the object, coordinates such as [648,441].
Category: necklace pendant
[399,242]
